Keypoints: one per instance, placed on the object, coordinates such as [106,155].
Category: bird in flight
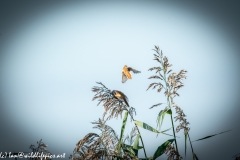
[120,95]
[126,73]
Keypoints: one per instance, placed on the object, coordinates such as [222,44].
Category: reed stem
[191,145]
[169,105]
[139,134]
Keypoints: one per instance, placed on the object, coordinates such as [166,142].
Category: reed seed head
[172,153]
[173,81]
[181,118]
[111,103]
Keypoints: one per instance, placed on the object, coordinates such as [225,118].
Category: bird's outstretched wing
[126,72]
[133,70]
[124,78]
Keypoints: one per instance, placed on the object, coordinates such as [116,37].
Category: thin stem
[174,133]
[191,145]
[139,135]
[141,141]
[172,124]
[169,105]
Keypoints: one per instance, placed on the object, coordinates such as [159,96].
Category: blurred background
[53,52]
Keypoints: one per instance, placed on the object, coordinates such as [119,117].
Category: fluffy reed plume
[172,83]
[108,136]
[37,151]
[176,83]
[88,148]
[172,153]
[181,118]
[41,148]
[131,137]
[111,103]
[95,147]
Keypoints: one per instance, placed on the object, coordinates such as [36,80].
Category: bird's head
[113,92]
[117,94]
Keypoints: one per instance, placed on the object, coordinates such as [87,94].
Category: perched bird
[120,95]
[126,73]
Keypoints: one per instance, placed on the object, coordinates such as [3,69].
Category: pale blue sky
[53,58]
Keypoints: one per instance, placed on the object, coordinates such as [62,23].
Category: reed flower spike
[113,101]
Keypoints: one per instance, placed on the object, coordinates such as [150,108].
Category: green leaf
[169,112]
[163,132]
[210,136]
[166,130]
[123,128]
[126,145]
[140,147]
[160,117]
[146,126]
[160,150]
[129,149]
[136,144]
[195,156]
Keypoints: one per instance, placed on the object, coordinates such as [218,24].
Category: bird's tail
[126,102]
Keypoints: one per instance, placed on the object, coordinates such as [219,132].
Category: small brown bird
[120,95]
[126,73]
